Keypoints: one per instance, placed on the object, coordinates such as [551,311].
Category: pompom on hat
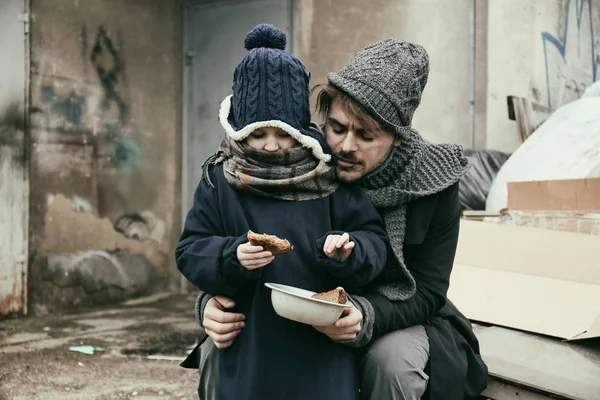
[265,35]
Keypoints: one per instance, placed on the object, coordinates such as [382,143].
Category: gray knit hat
[387,78]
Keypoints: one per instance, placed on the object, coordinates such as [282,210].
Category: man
[413,342]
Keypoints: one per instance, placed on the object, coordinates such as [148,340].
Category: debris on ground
[39,364]
[89,350]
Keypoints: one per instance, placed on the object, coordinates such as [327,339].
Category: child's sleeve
[366,229]
[204,255]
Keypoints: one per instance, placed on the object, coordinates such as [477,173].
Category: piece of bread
[270,243]
[337,295]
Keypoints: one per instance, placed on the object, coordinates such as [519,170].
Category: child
[272,175]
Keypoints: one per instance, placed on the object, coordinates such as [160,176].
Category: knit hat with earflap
[271,88]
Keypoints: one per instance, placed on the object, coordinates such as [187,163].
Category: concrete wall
[105,116]
[328,33]
[547,51]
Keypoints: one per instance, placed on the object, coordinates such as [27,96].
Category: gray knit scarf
[293,174]
[414,169]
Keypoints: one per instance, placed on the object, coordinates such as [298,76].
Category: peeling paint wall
[328,33]
[546,51]
[105,126]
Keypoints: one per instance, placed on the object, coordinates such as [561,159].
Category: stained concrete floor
[142,341]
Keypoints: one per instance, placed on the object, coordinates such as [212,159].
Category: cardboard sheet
[532,279]
[568,194]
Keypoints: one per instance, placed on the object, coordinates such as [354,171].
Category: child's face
[270,139]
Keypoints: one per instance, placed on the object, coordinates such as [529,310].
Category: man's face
[358,150]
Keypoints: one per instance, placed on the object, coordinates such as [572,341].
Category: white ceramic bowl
[296,304]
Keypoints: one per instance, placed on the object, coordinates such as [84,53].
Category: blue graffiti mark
[126,150]
[70,108]
[561,44]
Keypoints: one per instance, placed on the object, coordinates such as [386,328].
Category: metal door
[214,34]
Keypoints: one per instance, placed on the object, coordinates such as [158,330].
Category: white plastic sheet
[566,146]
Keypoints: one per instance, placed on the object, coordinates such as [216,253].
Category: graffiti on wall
[109,66]
[572,58]
[95,113]
[62,114]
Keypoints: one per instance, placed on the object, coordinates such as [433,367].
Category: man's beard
[340,177]
[349,157]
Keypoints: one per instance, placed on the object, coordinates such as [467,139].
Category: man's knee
[397,361]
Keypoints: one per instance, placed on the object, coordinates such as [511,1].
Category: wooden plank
[543,364]
[479,215]
[498,390]
[529,116]
[520,110]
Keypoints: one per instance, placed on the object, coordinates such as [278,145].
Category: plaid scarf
[293,174]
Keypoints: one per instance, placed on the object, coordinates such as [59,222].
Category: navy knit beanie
[271,88]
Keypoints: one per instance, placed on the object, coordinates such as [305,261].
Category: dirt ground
[138,346]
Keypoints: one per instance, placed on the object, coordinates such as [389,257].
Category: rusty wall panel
[13,161]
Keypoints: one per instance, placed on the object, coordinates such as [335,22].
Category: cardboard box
[536,280]
[568,194]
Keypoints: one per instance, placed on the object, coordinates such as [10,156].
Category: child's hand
[338,247]
[253,257]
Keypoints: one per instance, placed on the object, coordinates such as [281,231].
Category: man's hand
[253,257]
[222,326]
[345,328]
[338,247]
